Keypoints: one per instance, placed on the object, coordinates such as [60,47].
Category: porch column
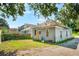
[0,36]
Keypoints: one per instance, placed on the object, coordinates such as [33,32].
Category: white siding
[33,35]
[26,30]
[57,33]
[53,34]
[50,36]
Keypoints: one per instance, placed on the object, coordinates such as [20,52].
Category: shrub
[10,36]
[66,40]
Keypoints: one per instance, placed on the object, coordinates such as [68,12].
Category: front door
[37,35]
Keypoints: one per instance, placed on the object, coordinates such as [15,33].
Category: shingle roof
[49,24]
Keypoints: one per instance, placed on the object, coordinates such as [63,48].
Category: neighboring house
[51,31]
[26,29]
[13,30]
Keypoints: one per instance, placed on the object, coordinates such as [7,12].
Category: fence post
[0,36]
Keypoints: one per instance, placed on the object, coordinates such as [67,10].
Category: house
[13,30]
[26,29]
[51,31]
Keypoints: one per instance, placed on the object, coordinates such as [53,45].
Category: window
[35,32]
[47,33]
[60,34]
[66,33]
[25,32]
[39,32]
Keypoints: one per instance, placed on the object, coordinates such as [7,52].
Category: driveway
[71,44]
[70,48]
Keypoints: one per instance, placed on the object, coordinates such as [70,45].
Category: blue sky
[27,18]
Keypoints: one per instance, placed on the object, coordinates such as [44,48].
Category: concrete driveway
[71,44]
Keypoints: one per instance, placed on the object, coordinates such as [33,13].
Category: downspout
[54,34]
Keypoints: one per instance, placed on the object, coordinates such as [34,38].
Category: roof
[49,24]
[25,26]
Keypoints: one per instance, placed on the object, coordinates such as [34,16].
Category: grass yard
[75,34]
[9,46]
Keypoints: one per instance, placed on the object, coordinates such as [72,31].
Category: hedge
[10,36]
[63,41]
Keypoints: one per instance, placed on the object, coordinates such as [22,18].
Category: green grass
[10,46]
[75,34]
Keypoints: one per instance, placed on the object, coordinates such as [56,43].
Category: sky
[27,18]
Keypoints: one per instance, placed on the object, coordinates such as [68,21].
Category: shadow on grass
[2,53]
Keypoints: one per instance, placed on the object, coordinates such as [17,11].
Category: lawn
[9,46]
[75,34]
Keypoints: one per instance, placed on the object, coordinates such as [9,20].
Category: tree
[72,10]
[11,9]
[3,25]
[69,15]
[43,9]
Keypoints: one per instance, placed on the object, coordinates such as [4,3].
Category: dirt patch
[50,51]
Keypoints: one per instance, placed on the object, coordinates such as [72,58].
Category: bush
[10,36]
[66,40]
